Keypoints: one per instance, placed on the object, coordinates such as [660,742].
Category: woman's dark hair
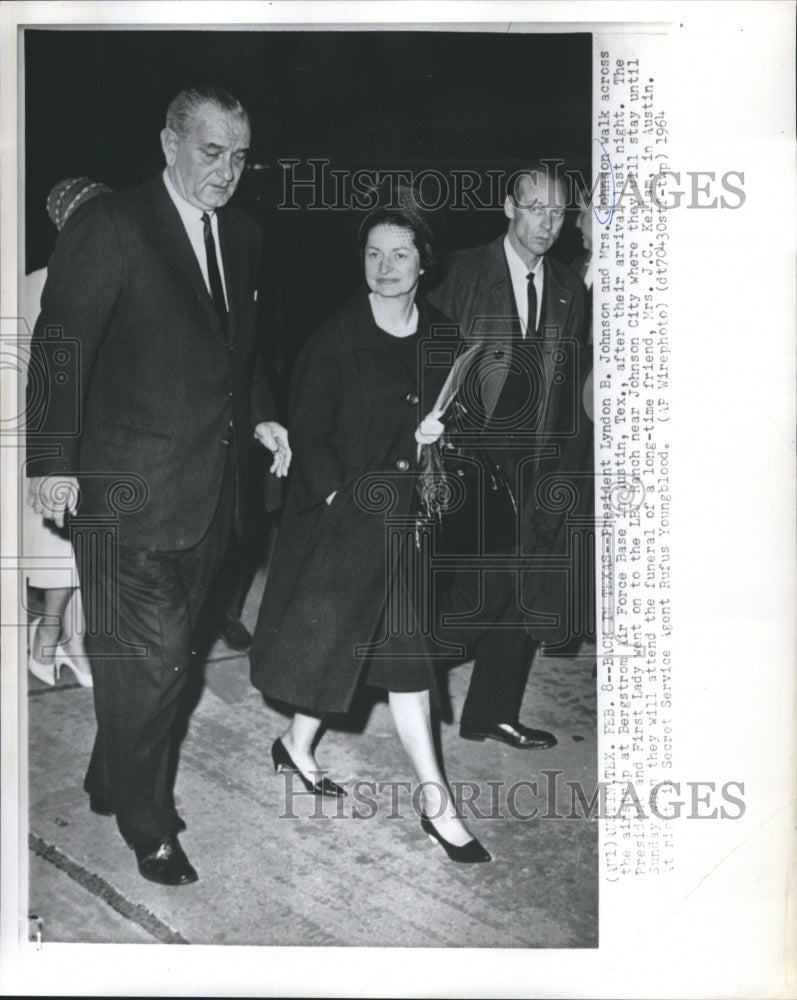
[398,207]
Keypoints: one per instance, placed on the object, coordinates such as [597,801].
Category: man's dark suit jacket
[157,392]
[477,294]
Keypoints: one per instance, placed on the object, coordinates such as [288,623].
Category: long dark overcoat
[354,411]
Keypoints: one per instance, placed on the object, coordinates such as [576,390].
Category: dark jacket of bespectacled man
[522,404]
[144,394]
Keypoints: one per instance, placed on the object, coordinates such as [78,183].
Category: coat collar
[357,327]
[497,300]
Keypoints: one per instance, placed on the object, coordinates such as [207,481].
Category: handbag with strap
[465,493]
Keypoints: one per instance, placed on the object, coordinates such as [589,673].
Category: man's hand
[274,437]
[430,428]
[52,496]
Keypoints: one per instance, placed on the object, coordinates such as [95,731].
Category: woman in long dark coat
[334,595]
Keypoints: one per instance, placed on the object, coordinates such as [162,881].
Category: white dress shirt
[588,273]
[520,285]
[195,228]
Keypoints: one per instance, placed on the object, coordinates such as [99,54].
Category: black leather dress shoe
[512,733]
[165,862]
[103,808]
[235,634]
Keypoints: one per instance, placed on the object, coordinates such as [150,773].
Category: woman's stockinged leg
[50,634]
[298,740]
[412,717]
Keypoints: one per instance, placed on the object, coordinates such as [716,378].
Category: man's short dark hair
[180,113]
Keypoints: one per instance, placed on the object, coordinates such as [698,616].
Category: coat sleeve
[261,398]
[315,406]
[84,281]
[261,405]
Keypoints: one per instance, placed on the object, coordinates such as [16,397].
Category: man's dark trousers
[503,650]
[157,597]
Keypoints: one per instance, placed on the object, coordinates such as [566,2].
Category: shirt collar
[517,266]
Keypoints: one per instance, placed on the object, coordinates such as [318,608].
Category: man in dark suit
[155,289]
[528,310]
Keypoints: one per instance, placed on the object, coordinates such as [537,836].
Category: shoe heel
[472,737]
[45,672]
[83,677]
[469,853]
[284,762]
[281,757]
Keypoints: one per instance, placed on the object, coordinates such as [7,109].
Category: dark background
[402,100]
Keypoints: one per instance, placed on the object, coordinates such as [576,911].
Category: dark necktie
[531,326]
[214,277]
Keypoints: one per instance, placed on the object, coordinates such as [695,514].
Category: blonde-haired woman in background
[55,612]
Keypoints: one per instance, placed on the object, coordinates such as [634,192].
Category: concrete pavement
[282,869]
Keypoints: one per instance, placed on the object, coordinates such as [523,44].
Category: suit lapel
[556,304]
[556,309]
[499,302]
[498,317]
[179,250]
[233,273]
[497,326]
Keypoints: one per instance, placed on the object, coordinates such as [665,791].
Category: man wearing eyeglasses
[528,311]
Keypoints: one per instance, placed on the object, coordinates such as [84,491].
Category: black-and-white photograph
[306,500]
[397,515]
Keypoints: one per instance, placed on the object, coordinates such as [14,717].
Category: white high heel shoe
[48,673]
[45,672]
[82,673]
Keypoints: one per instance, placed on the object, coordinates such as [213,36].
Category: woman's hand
[430,428]
[53,496]
[274,437]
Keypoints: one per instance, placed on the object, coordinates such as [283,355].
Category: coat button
[412,399]
[402,465]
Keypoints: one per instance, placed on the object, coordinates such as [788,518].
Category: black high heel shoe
[284,762]
[467,854]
